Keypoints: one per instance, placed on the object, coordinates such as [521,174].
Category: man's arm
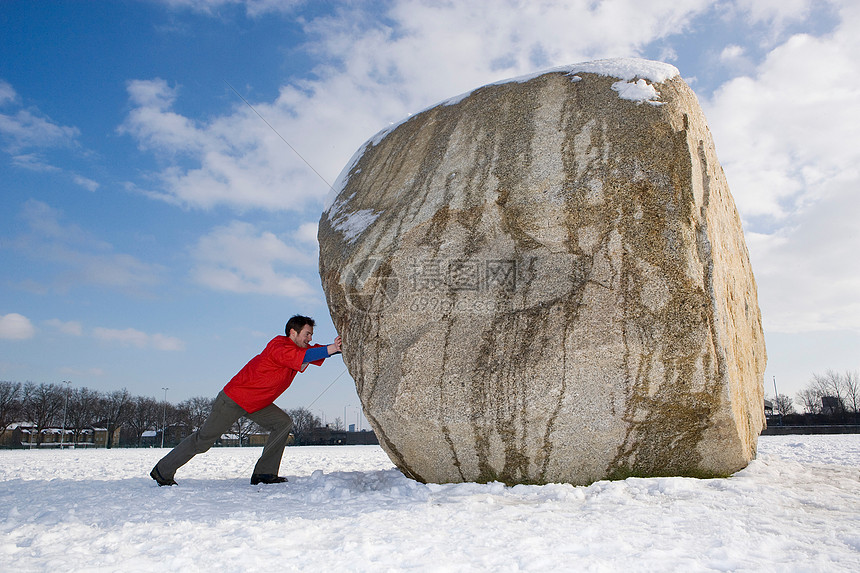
[323,352]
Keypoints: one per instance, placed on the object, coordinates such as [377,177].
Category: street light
[776,401]
[65,408]
[164,415]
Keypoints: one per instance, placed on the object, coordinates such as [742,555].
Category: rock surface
[546,280]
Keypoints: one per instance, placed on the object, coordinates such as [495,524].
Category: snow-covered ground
[796,508]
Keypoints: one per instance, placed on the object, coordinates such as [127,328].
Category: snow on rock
[351,225]
[638,91]
[796,508]
[627,69]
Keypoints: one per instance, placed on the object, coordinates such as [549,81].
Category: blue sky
[155,232]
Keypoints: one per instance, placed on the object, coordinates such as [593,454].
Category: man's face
[303,338]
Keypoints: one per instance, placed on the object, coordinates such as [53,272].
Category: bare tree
[831,384]
[244,427]
[113,410]
[168,415]
[42,405]
[783,405]
[304,422]
[10,402]
[194,411]
[810,399]
[841,392]
[83,404]
[852,391]
[145,415]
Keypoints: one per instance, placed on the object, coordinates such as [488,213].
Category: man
[251,393]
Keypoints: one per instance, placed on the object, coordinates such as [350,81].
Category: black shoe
[267,478]
[156,475]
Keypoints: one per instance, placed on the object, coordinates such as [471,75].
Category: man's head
[300,329]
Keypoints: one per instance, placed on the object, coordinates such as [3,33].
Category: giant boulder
[546,280]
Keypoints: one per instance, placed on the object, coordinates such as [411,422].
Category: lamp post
[776,401]
[65,409]
[164,416]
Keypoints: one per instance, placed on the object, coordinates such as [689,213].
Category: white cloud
[28,128]
[252,7]
[735,59]
[308,233]
[239,258]
[7,93]
[34,162]
[14,326]
[782,133]
[86,183]
[138,339]
[79,257]
[732,52]
[785,137]
[241,161]
[46,222]
[163,342]
[776,12]
[73,328]
[806,273]
[424,52]
[379,63]
[28,135]
[154,125]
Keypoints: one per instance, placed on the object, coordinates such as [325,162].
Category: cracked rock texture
[543,281]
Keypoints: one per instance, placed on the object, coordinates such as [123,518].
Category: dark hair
[297,323]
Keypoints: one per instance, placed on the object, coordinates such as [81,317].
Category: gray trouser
[224,414]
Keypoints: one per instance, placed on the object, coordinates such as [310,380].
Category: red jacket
[268,374]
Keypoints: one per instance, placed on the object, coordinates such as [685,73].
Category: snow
[622,68]
[628,69]
[351,225]
[634,72]
[638,91]
[796,508]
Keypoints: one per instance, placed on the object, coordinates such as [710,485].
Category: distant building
[831,405]
[26,435]
[325,436]
[150,438]
[174,434]
[232,440]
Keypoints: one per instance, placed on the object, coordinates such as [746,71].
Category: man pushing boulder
[252,393]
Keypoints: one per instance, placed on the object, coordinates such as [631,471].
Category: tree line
[832,397]
[48,405]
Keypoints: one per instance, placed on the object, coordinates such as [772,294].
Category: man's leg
[224,413]
[279,425]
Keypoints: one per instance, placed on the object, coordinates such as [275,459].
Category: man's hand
[336,346]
